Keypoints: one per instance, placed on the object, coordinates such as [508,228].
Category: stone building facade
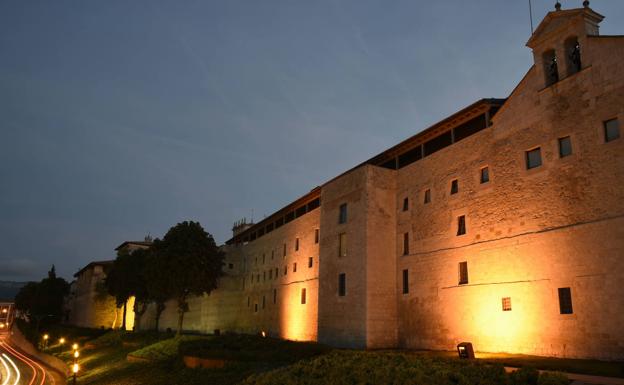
[502,225]
[88,304]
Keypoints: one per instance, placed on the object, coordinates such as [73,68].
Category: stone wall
[529,232]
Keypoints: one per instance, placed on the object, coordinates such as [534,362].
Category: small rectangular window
[454,186]
[342,217]
[303,296]
[463,273]
[485,175]
[316,236]
[296,244]
[405,243]
[342,284]
[310,262]
[255,307]
[274,295]
[295,267]
[270,274]
[248,301]
[264,276]
[427,196]
[230,266]
[405,204]
[342,245]
[565,300]
[284,251]
[405,281]
[263,302]
[272,253]
[565,147]
[611,130]
[276,272]
[533,158]
[461,225]
[506,303]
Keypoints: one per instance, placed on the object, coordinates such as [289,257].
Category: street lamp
[61,340]
[75,368]
[76,354]
[75,347]
[45,340]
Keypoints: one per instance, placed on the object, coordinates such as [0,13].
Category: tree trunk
[182,308]
[159,309]
[123,320]
[139,310]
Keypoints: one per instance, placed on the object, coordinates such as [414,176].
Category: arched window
[573,53]
[551,71]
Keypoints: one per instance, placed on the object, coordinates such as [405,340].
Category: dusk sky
[122,118]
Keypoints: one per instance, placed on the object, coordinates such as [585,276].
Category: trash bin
[465,350]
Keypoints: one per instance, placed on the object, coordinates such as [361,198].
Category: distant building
[502,225]
[89,305]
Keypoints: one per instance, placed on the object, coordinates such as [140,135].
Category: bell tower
[559,40]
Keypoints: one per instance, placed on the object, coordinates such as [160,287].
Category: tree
[126,278]
[43,300]
[139,284]
[193,264]
[156,278]
[118,283]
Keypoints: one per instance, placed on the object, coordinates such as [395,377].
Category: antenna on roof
[531,16]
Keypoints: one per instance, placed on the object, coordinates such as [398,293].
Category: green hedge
[352,367]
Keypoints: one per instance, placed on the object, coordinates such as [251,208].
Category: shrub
[352,367]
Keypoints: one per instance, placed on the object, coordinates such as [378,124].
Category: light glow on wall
[298,321]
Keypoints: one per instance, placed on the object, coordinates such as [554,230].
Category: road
[19,369]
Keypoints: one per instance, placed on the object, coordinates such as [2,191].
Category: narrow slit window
[263,302]
[342,284]
[405,281]
[533,158]
[454,186]
[274,296]
[506,303]
[461,225]
[485,175]
[463,273]
[611,130]
[316,236]
[405,243]
[296,244]
[565,300]
[295,267]
[303,296]
[565,146]
[427,196]
[342,217]
[284,251]
[405,204]
[310,262]
[342,245]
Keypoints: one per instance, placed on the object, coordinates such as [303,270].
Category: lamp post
[75,368]
[45,341]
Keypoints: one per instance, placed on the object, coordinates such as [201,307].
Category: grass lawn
[254,360]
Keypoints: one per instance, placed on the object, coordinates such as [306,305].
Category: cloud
[16,269]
